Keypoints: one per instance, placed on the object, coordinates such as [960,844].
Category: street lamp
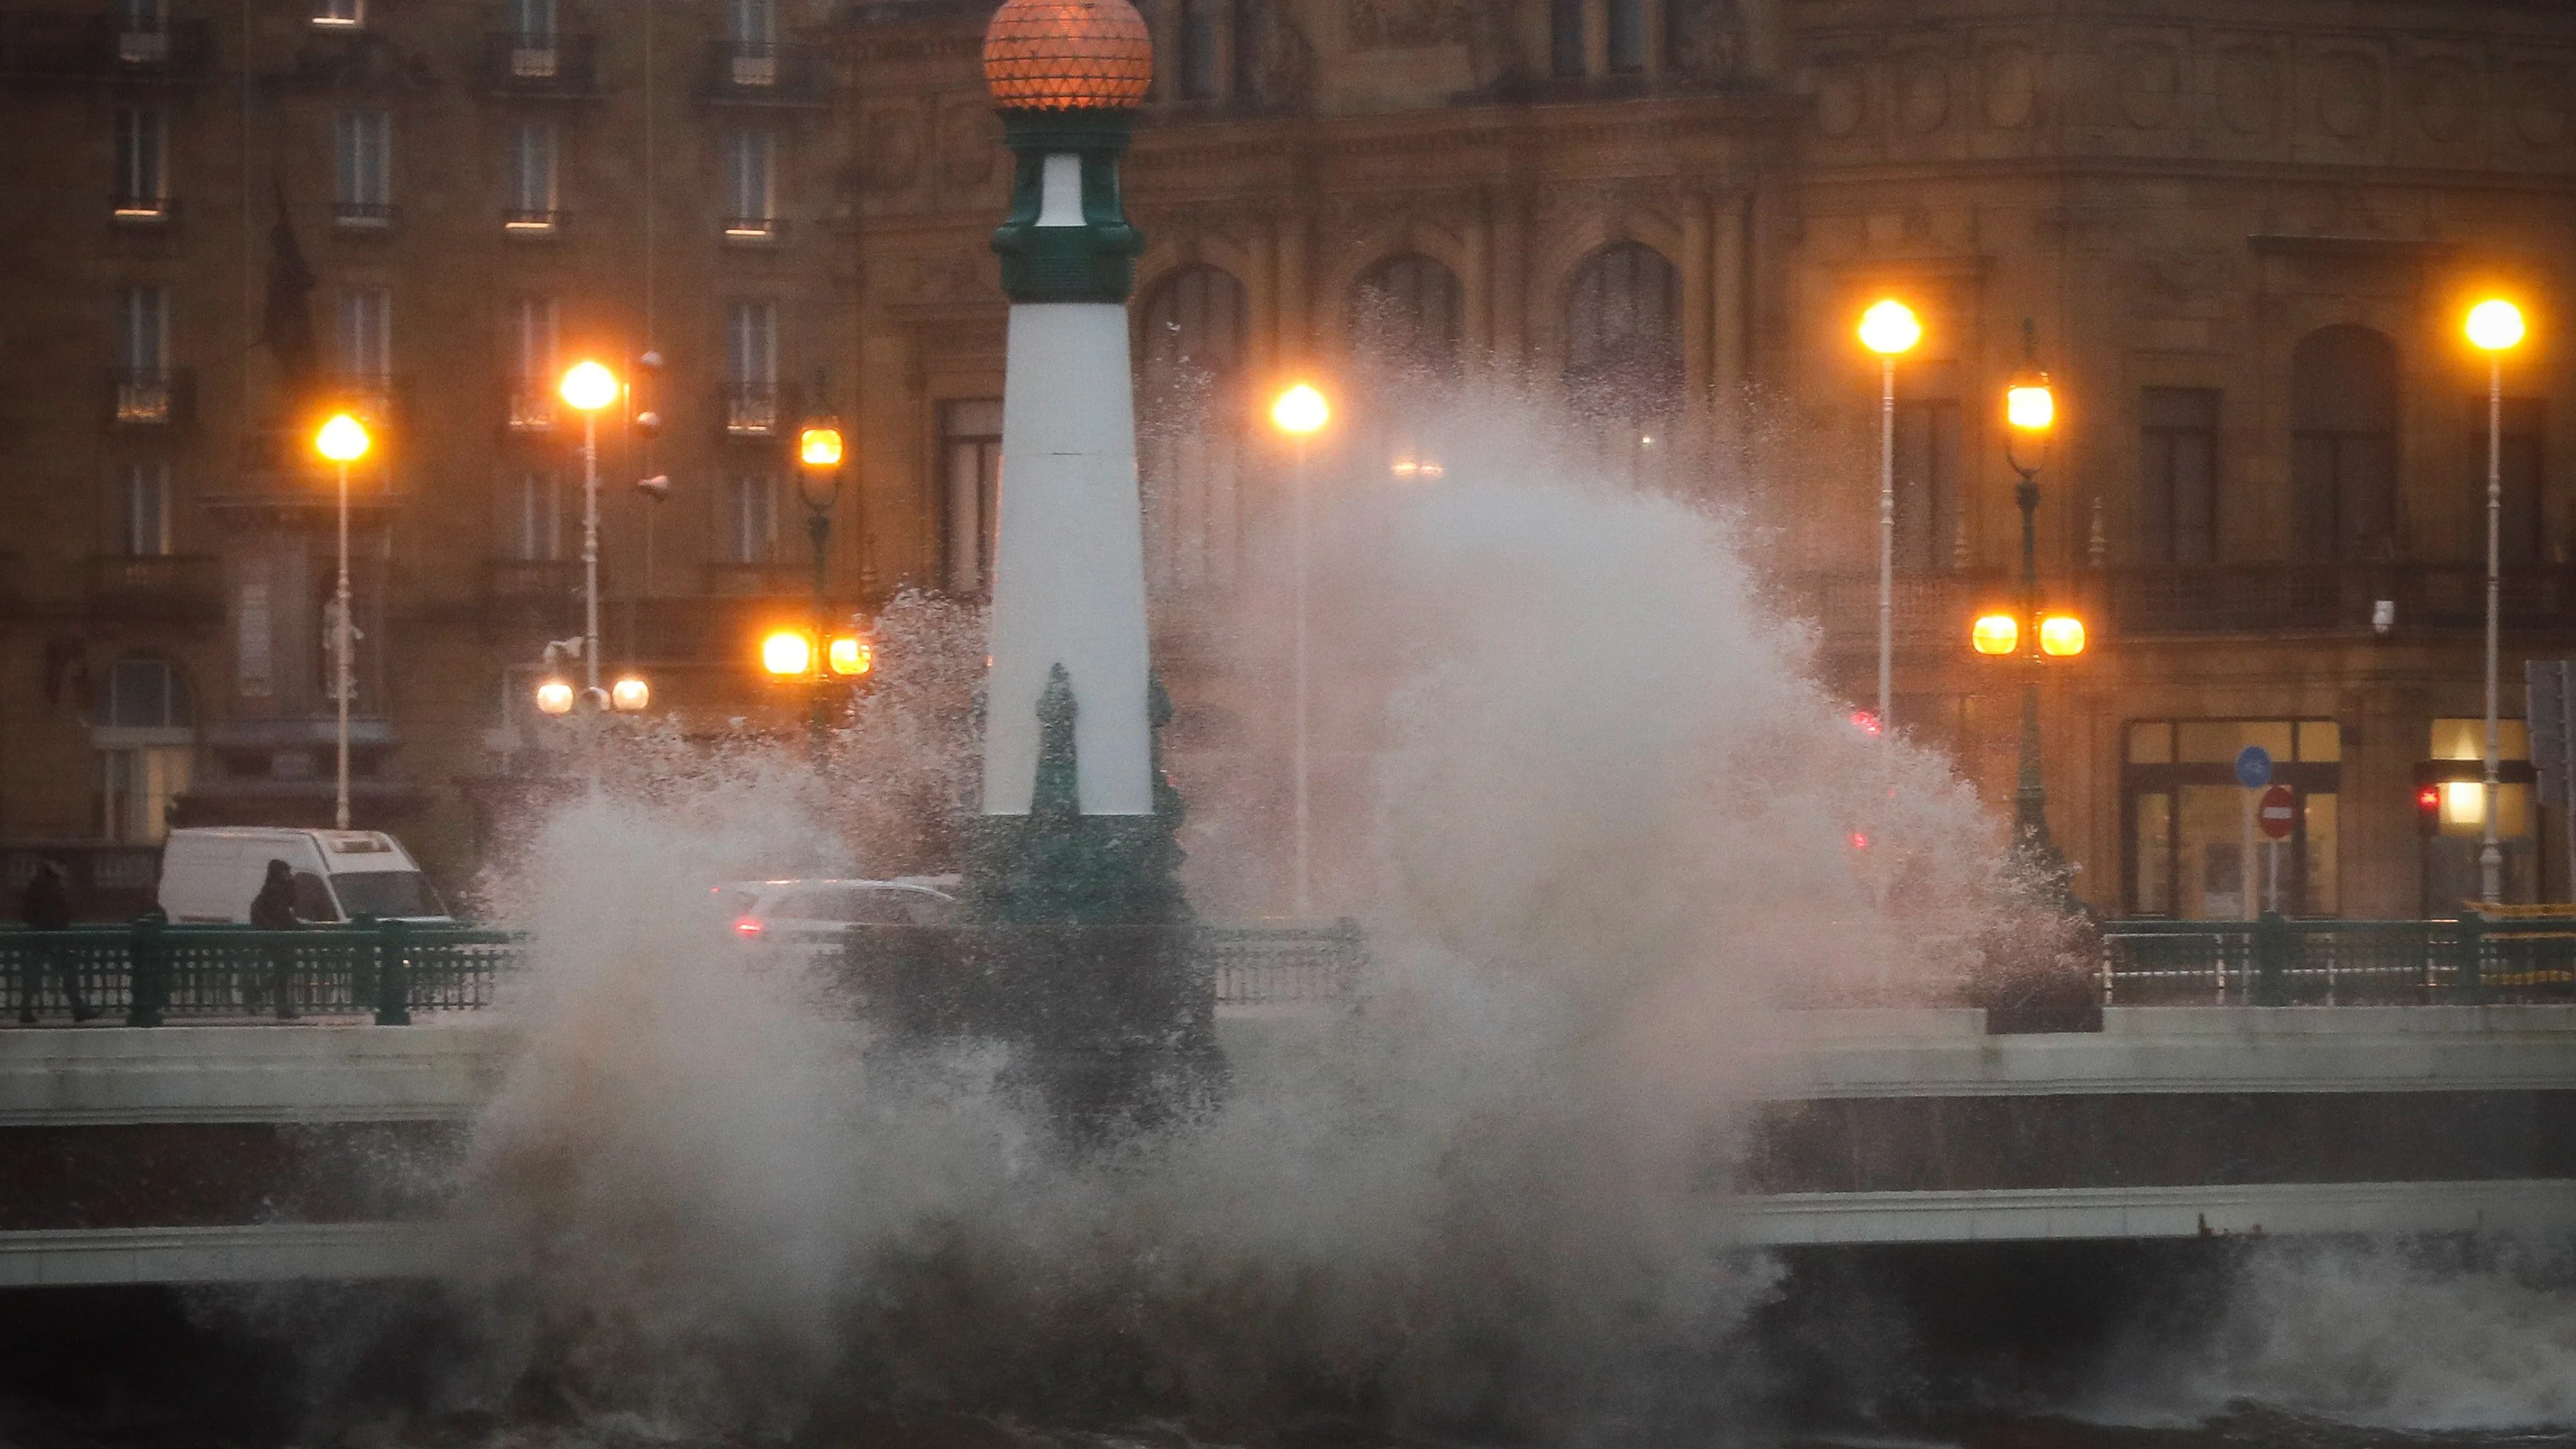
[2030,417]
[818,482]
[343,440]
[1300,412]
[1889,329]
[2495,328]
[588,387]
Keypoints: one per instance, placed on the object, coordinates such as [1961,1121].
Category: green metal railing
[148,973]
[2279,962]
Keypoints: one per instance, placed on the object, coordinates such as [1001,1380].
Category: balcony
[46,46]
[557,64]
[2268,598]
[750,410]
[151,397]
[532,405]
[749,73]
[143,213]
[531,593]
[376,397]
[768,580]
[1930,607]
[362,217]
[532,224]
[166,588]
[754,231]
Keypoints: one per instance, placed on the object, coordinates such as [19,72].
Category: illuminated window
[2184,819]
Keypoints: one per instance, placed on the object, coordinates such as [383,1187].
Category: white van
[212,874]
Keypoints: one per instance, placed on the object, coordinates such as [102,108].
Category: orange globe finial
[1068,55]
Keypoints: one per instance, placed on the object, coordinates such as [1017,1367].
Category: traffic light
[2428,810]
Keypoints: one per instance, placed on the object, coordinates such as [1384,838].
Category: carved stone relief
[2150,85]
[2179,282]
[2248,81]
[1922,94]
[890,158]
[1707,37]
[2012,87]
[1842,101]
[2446,99]
[2540,104]
[2348,96]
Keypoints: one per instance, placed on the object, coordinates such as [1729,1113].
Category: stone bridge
[248,1152]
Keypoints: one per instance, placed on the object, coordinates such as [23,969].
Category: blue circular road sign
[2254,767]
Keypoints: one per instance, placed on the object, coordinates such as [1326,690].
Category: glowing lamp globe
[2061,636]
[343,439]
[554,697]
[819,446]
[629,695]
[1995,634]
[1300,410]
[1889,328]
[1068,55]
[589,386]
[2495,325]
[2029,405]
[787,653]
[851,656]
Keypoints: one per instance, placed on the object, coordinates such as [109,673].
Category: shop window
[142,730]
[2187,819]
[2455,825]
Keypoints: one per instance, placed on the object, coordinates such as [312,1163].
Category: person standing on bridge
[46,908]
[273,909]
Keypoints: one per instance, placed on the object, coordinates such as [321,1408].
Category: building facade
[2243,245]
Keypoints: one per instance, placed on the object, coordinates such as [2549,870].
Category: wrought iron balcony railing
[549,64]
[143,211]
[362,216]
[754,230]
[532,405]
[177,587]
[2264,598]
[1930,606]
[151,397]
[750,410]
[532,222]
[760,73]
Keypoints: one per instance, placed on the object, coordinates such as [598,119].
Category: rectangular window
[1565,37]
[363,157]
[143,32]
[1927,483]
[143,382]
[2186,819]
[970,444]
[532,177]
[142,163]
[533,368]
[534,524]
[1627,35]
[1198,50]
[751,28]
[2178,487]
[136,788]
[533,19]
[751,368]
[750,523]
[366,340]
[2454,769]
[146,511]
[339,14]
[750,192]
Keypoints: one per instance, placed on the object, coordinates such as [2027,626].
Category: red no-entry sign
[2278,813]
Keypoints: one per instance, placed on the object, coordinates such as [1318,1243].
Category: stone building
[2244,243]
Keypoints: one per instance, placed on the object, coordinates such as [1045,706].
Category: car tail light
[748,927]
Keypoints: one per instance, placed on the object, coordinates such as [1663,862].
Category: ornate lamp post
[1889,329]
[1300,412]
[2030,416]
[818,482]
[588,387]
[2495,327]
[344,440]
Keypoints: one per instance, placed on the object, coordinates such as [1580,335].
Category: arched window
[1623,332]
[2343,443]
[1189,445]
[1404,318]
[142,726]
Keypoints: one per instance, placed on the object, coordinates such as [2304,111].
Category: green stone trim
[1094,262]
